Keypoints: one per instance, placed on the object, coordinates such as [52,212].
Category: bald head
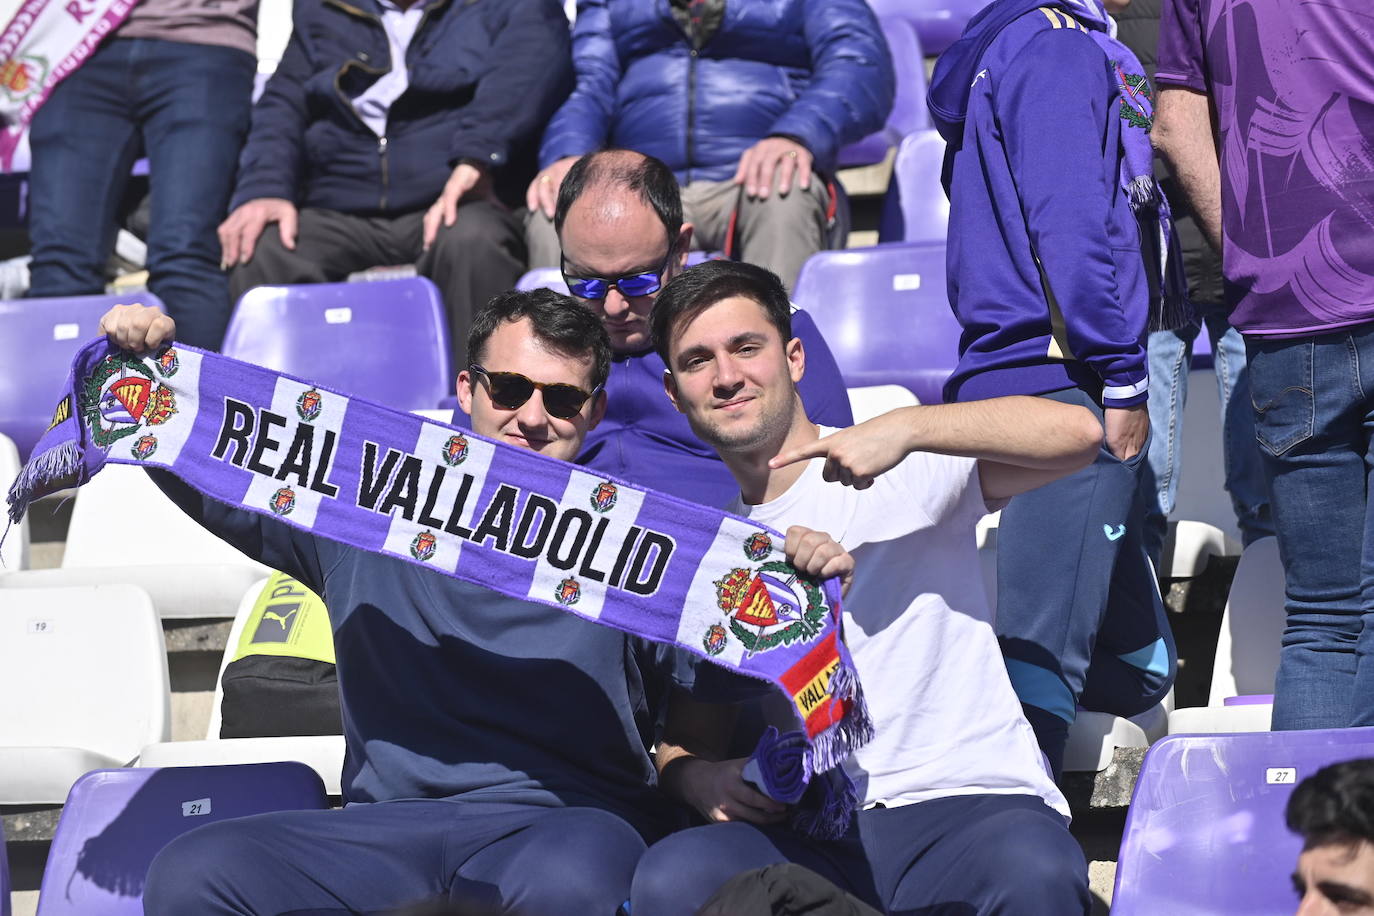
[605,178]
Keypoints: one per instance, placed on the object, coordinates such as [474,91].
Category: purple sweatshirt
[1045,268]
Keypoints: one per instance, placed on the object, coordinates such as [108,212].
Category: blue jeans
[188,107]
[1171,355]
[1314,414]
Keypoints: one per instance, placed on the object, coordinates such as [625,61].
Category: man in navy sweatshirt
[620,223]
[1047,276]
[497,750]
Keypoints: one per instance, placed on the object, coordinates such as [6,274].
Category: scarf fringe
[828,808]
[831,747]
[57,464]
[1143,192]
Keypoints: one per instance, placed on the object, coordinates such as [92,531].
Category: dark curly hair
[1335,805]
[559,321]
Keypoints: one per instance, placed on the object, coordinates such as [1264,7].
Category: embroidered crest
[21,77]
[167,362]
[1135,97]
[604,496]
[144,446]
[455,451]
[568,592]
[423,547]
[715,639]
[120,397]
[771,607]
[283,501]
[758,546]
[309,405]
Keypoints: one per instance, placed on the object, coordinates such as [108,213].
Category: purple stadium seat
[1205,831]
[38,338]
[916,208]
[909,112]
[885,313]
[938,22]
[116,821]
[330,333]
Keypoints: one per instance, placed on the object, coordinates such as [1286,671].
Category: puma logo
[283,616]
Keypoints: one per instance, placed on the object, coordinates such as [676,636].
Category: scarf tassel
[59,464]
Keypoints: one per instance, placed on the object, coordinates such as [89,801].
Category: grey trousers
[779,233]
[480,255]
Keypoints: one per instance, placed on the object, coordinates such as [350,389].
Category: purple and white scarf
[505,518]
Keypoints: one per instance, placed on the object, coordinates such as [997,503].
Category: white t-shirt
[917,622]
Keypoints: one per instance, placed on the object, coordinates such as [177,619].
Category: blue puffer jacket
[484,76]
[815,70]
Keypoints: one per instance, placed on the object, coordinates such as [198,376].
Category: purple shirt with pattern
[1293,85]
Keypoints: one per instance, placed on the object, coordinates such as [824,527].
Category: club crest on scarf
[309,405]
[769,607]
[121,397]
[603,497]
[568,592]
[168,363]
[455,451]
[423,546]
[758,546]
[22,76]
[144,446]
[283,501]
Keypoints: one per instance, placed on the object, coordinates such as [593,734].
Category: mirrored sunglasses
[510,390]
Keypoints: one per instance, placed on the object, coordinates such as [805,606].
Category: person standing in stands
[1048,171]
[1283,184]
[620,223]
[1170,353]
[497,749]
[174,82]
[396,132]
[747,103]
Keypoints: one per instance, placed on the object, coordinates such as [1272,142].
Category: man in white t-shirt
[958,808]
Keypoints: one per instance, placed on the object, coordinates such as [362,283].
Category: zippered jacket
[485,75]
[818,71]
[1045,267]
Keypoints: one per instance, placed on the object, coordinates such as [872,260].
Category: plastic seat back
[909,112]
[386,341]
[1205,830]
[915,208]
[885,313]
[938,22]
[14,552]
[38,338]
[1251,626]
[116,821]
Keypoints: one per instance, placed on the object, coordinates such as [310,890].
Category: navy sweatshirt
[452,691]
[1027,102]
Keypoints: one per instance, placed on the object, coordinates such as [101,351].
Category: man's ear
[670,388]
[684,245]
[598,411]
[465,391]
[796,359]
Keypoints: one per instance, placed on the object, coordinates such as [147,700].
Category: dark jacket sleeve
[584,121]
[529,73]
[272,163]
[266,540]
[852,83]
[822,387]
[1053,103]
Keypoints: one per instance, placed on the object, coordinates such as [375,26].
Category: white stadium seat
[871,401]
[83,673]
[124,529]
[14,552]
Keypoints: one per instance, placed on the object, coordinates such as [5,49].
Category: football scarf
[507,519]
[43,44]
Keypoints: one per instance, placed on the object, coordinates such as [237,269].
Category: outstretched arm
[1020,442]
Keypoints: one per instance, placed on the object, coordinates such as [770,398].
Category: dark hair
[646,176]
[694,290]
[1334,805]
[559,321]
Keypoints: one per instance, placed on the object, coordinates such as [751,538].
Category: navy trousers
[1079,615]
[957,856]
[375,858]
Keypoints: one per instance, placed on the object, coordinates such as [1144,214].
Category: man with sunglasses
[620,224]
[497,748]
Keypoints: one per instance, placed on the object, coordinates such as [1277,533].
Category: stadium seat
[885,314]
[116,821]
[909,112]
[84,675]
[938,22]
[322,753]
[1241,696]
[915,208]
[38,338]
[188,572]
[867,403]
[1205,830]
[14,549]
[385,341]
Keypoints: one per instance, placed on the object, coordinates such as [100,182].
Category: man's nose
[616,305]
[728,374]
[532,414]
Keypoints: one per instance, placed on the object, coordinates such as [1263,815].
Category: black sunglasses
[510,390]
[643,283]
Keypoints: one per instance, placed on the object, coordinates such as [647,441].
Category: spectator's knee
[586,864]
[196,868]
[478,228]
[1035,859]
